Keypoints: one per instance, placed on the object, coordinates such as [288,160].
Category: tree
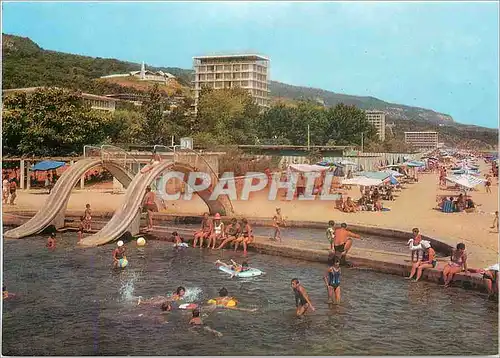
[127,127]
[155,125]
[229,115]
[50,122]
[346,123]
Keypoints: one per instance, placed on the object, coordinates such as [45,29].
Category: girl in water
[332,280]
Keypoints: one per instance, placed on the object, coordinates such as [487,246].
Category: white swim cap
[120,243]
[426,244]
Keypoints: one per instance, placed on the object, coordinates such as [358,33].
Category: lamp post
[362,134]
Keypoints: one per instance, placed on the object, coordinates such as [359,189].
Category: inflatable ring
[122,263]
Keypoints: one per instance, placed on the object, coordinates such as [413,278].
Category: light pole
[362,133]
[308,138]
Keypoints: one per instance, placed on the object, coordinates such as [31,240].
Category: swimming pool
[72,303]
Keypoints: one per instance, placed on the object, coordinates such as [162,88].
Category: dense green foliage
[51,122]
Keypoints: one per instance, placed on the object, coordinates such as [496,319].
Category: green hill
[25,64]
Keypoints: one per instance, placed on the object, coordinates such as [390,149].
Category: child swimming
[51,241]
[235,266]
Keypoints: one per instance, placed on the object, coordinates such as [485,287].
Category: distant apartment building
[377,119]
[94,101]
[250,72]
[422,140]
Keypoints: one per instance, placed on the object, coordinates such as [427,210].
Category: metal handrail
[126,155]
[85,147]
[198,155]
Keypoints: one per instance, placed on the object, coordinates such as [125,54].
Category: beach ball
[123,263]
[141,241]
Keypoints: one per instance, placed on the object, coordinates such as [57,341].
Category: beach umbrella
[393,173]
[467,181]
[374,175]
[362,181]
[47,165]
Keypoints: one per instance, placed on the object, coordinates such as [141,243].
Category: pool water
[70,302]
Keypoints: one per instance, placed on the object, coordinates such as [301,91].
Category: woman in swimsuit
[457,264]
[204,232]
[302,301]
[149,205]
[332,281]
[232,233]
[247,236]
[428,260]
[217,231]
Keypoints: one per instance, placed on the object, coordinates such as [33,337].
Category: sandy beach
[413,207]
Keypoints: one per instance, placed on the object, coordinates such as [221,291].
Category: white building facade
[422,140]
[377,119]
[250,72]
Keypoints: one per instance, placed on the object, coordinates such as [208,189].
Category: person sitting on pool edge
[302,301]
[232,233]
[235,266]
[332,280]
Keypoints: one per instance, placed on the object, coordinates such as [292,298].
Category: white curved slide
[52,212]
[130,209]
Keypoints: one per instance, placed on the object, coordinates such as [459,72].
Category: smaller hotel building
[377,119]
[422,140]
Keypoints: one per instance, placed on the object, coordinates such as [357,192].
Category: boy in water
[118,253]
[332,280]
[302,301]
[176,238]
[51,242]
[81,228]
[197,322]
[88,218]
[330,233]
[235,266]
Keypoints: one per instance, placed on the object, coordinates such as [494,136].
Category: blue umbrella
[47,165]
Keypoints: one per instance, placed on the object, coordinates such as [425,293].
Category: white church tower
[143,71]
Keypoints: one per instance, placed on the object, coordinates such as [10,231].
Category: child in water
[332,280]
[330,233]
[235,266]
[51,242]
[81,228]
[197,322]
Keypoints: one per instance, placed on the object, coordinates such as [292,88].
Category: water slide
[54,208]
[126,217]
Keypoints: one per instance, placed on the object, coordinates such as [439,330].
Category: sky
[437,55]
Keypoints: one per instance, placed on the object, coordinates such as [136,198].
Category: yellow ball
[141,241]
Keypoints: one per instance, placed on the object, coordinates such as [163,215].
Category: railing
[110,153]
[214,176]
[90,151]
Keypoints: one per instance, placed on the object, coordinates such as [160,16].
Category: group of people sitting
[371,200]
[215,232]
[461,203]
[424,256]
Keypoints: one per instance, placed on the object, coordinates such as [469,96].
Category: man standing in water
[302,301]
[343,241]
[149,204]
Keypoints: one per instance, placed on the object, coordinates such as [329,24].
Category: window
[211,68]
[244,67]
[218,76]
[227,76]
[210,76]
[236,75]
[245,75]
[217,85]
[227,67]
[219,68]
[244,83]
[236,67]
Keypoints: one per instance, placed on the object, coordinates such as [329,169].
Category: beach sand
[414,207]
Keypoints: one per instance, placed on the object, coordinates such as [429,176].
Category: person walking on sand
[302,300]
[495,221]
[5,189]
[149,204]
[487,185]
[343,242]
[12,191]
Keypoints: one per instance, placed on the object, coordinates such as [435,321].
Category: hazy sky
[441,56]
